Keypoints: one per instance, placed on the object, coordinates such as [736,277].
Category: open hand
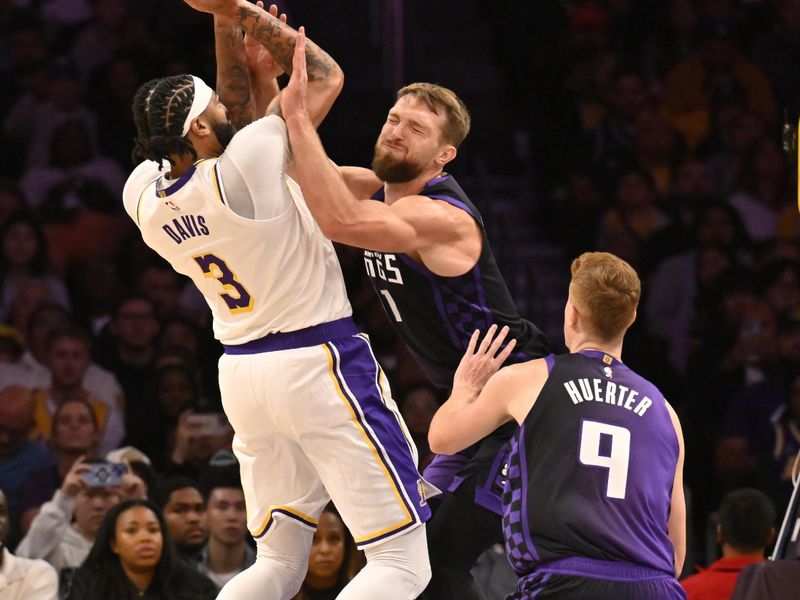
[293,97]
[477,366]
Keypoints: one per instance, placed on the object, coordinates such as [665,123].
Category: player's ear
[447,154]
[200,126]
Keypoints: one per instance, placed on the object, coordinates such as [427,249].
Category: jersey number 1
[236,296]
[617,460]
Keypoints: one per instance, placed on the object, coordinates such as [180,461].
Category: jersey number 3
[616,460]
[235,296]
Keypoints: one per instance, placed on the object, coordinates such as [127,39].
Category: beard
[393,170]
[224,132]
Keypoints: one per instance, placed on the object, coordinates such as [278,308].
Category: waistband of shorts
[302,338]
[601,569]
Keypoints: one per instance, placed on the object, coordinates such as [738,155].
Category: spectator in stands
[717,63]
[761,189]
[334,560]
[418,406]
[66,527]
[746,527]
[69,352]
[19,456]
[227,552]
[184,508]
[24,257]
[31,370]
[20,578]
[158,281]
[133,557]
[127,347]
[633,217]
[748,430]
[75,434]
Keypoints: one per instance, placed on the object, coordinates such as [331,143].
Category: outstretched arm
[324,75]
[481,399]
[410,224]
[233,76]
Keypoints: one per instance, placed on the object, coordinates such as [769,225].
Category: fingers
[473,342]
[487,340]
[498,341]
[503,356]
[299,59]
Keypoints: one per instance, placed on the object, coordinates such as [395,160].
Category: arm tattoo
[279,39]
[233,77]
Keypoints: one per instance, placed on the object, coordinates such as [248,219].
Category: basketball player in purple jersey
[594,506]
[428,257]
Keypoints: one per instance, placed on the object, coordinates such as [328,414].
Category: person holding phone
[65,528]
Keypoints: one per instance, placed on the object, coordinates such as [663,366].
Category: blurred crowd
[647,128]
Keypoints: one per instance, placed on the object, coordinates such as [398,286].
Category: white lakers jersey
[274,272]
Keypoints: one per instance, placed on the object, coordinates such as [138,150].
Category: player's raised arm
[234,86]
[325,77]
[409,224]
[246,71]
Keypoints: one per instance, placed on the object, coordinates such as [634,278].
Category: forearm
[341,216]
[233,76]
[47,528]
[279,39]
[264,91]
[446,434]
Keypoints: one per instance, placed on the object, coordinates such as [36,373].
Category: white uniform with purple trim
[311,409]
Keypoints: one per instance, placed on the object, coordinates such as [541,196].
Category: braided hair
[160,107]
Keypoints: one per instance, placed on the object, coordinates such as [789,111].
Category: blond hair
[438,98]
[605,291]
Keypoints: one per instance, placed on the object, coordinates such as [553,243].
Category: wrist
[465,392]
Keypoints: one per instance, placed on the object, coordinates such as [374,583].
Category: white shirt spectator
[24,579]
[53,538]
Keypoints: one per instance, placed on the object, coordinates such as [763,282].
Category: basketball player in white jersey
[310,406]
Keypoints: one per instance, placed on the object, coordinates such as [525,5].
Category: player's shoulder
[527,372]
[143,175]
[260,130]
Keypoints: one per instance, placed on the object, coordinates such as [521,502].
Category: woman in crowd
[333,561]
[132,558]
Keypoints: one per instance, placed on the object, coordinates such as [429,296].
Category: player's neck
[181,164]
[395,191]
[613,349]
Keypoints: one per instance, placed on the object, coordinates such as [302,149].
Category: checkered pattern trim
[519,554]
[465,316]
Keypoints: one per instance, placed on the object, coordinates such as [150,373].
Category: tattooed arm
[325,78]
[233,76]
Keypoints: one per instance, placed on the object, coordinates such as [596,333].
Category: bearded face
[224,130]
[393,169]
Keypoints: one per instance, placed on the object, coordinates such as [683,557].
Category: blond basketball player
[310,406]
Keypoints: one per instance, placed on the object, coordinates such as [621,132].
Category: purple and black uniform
[591,470]
[436,317]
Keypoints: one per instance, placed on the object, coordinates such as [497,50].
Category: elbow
[333,227]
[439,442]
[334,82]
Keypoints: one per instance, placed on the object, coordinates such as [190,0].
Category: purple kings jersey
[436,315]
[591,469]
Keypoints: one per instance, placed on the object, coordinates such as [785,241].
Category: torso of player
[258,276]
[436,315]
[595,459]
